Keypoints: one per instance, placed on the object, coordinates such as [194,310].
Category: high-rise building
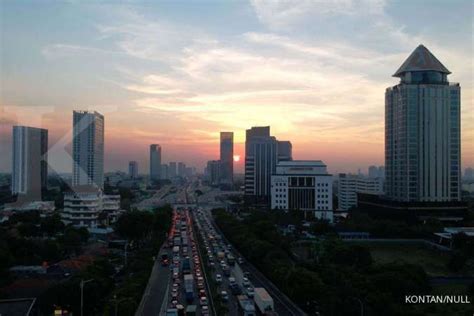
[155,162]
[376,172]
[303,185]
[30,161]
[422,132]
[88,148]
[213,172]
[164,172]
[133,169]
[227,157]
[172,170]
[181,169]
[285,150]
[261,157]
[469,174]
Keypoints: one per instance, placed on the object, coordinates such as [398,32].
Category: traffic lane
[282,307]
[154,295]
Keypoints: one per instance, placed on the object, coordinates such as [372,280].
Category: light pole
[361,305]
[82,294]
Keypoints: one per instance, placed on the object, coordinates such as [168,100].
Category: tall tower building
[227,157]
[155,162]
[133,169]
[172,170]
[261,157]
[88,148]
[422,132]
[30,161]
[285,150]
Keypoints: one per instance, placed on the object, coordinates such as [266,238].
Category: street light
[82,293]
[361,305]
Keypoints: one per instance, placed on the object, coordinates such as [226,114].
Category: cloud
[54,51]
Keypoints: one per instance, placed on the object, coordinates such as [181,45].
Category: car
[250,292]
[218,278]
[245,282]
[204,310]
[203,301]
[224,296]
[240,260]
[202,293]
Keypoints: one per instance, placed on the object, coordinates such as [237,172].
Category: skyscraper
[88,148]
[172,171]
[285,150]
[227,157]
[30,161]
[422,132]
[133,169]
[181,169]
[155,162]
[261,157]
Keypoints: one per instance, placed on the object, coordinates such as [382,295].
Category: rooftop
[421,59]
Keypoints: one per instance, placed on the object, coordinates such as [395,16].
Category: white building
[303,185]
[349,185]
[30,161]
[84,205]
[422,132]
[88,149]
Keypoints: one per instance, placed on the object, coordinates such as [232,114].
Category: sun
[236,158]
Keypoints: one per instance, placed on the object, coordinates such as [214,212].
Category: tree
[52,225]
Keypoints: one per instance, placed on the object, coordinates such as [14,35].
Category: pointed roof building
[421,60]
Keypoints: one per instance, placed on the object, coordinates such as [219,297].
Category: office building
[30,161]
[349,185]
[133,169]
[262,153]
[88,149]
[86,205]
[422,132]
[164,172]
[303,185]
[285,151]
[376,172]
[213,172]
[155,162]
[227,157]
[469,174]
[181,169]
[172,170]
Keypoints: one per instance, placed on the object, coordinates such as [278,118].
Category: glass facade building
[422,132]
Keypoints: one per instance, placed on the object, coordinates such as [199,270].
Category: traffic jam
[236,291]
[187,294]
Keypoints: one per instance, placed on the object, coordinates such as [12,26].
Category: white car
[203,301]
[218,278]
[246,282]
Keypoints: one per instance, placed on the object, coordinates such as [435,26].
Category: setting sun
[236,158]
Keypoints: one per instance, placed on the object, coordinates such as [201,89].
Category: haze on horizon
[177,73]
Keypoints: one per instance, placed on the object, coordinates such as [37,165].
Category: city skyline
[322,92]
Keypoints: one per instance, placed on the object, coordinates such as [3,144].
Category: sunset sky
[178,72]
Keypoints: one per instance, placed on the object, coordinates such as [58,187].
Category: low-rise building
[303,185]
[84,205]
[349,185]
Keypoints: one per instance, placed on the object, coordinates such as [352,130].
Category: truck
[230,259]
[221,255]
[191,310]
[263,300]
[177,241]
[186,265]
[189,287]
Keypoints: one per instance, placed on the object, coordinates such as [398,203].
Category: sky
[177,73]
